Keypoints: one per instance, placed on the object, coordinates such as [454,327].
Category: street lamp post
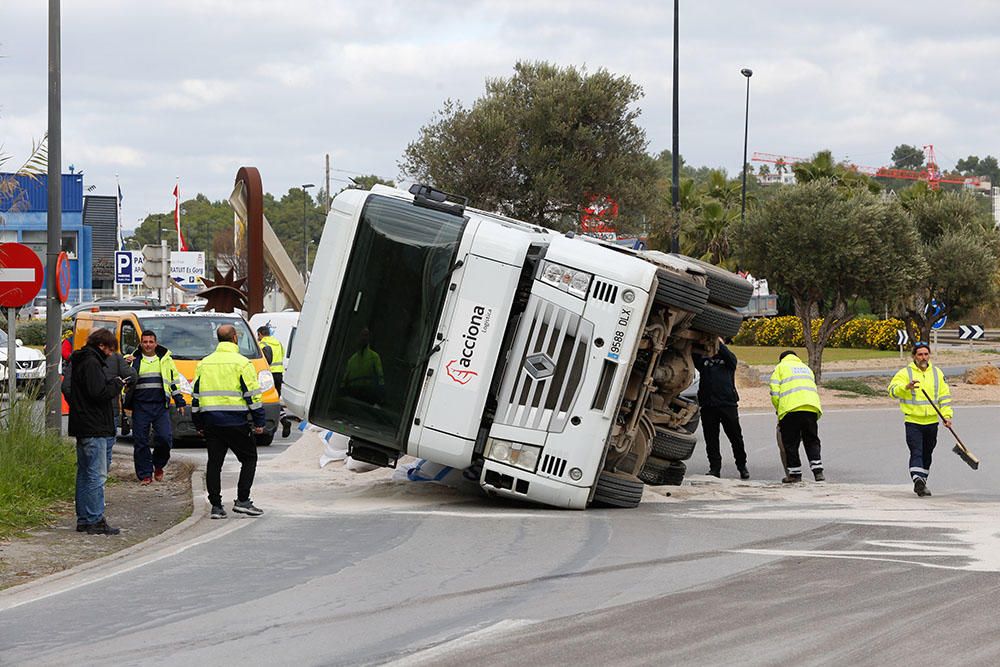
[675,186]
[305,244]
[746,130]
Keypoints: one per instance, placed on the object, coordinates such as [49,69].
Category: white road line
[87,578]
[857,555]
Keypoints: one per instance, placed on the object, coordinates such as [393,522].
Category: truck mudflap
[511,482]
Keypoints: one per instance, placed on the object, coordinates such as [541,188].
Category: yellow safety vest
[226,382]
[793,388]
[277,352]
[915,406]
[159,373]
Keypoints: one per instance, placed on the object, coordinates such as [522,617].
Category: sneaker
[920,487]
[81,527]
[101,528]
[246,507]
[791,479]
[819,476]
[158,474]
[218,512]
[146,481]
[744,473]
[286,428]
[715,472]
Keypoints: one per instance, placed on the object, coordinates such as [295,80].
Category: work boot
[286,428]
[920,487]
[81,527]
[102,528]
[218,512]
[158,474]
[818,475]
[744,473]
[715,472]
[791,479]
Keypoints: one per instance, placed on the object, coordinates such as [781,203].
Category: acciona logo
[459,369]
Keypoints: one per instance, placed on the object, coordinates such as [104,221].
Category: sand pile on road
[982,375]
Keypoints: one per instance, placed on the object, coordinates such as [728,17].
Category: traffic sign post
[902,338]
[21,277]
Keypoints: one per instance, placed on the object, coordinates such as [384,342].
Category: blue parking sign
[123,267]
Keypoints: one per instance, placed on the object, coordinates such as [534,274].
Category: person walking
[225,395]
[796,400]
[150,403]
[92,423]
[719,403]
[919,417]
[274,353]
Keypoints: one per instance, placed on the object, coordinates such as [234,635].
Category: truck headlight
[265,380]
[569,280]
[513,453]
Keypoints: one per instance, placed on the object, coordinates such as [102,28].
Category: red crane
[931,174]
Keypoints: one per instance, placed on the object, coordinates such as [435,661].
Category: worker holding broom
[918,387]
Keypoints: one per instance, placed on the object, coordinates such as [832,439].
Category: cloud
[194,95]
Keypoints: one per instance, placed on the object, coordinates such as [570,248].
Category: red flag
[181,245]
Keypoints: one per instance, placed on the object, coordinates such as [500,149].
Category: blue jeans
[144,418]
[93,456]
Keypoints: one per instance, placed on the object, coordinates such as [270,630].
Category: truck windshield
[193,336]
[384,326]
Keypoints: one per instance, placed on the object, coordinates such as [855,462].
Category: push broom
[959,447]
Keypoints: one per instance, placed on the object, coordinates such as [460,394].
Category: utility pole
[53,309]
[326,207]
[675,186]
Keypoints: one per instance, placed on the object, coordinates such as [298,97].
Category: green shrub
[37,468]
[31,332]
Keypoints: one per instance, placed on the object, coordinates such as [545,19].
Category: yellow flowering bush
[786,331]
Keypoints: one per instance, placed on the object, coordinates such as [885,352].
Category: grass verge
[37,468]
[758,356]
[853,386]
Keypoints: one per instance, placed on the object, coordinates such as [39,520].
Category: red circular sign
[21,275]
[63,277]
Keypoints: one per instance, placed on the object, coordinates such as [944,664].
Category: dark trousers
[796,427]
[148,417]
[921,439]
[279,379]
[729,418]
[219,440]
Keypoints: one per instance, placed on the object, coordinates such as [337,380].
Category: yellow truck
[190,337]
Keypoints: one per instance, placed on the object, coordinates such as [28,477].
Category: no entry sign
[21,275]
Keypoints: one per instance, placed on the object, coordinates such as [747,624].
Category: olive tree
[827,246]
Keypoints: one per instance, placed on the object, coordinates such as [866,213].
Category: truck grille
[603,291]
[553,465]
[545,368]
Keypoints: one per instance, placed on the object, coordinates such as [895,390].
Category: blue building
[86,221]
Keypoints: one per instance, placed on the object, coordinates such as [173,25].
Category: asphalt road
[854,571]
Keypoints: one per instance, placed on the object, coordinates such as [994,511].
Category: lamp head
[747,72]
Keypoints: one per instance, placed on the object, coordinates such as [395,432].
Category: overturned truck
[553,364]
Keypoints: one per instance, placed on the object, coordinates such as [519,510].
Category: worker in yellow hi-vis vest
[796,400]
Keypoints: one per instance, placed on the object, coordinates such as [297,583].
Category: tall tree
[960,246]
[822,165]
[905,156]
[538,144]
[827,247]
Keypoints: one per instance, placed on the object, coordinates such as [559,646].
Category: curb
[12,597]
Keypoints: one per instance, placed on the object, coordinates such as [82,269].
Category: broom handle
[933,405]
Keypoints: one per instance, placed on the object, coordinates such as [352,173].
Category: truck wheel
[673,445]
[675,473]
[719,320]
[616,489]
[653,470]
[724,287]
[679,291]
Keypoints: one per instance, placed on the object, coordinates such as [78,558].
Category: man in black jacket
[92,423]
[719,401]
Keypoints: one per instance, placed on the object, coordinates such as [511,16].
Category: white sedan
[30,362]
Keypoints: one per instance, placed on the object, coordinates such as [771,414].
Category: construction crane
[930,174]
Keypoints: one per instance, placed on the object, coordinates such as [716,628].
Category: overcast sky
[198,88]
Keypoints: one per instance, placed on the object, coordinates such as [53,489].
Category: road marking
[901,556]
[459,645]
[85,579]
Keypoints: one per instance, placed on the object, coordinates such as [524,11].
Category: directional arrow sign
[970,332]
[902,338]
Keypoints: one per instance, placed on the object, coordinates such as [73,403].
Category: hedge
[861,332]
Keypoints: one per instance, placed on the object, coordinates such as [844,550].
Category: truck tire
[679,291]
[673,445]
[675,473]
[615,489]
[724,287]
[719,320]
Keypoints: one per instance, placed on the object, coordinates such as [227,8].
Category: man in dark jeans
[719,401]
[92,423]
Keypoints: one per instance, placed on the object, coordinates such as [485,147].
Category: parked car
[34,310]
[30,363]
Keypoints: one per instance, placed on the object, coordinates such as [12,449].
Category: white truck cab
[555,362]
